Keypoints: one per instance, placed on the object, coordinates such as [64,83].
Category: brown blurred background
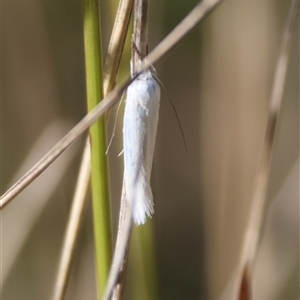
[220,79]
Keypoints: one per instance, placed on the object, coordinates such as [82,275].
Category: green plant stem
[99,170]
[144,262]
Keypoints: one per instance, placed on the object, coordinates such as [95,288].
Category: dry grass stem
[255,220]
[74,224]
[116,45]
[118,265]
[251,239]
[34,200]
[119,284]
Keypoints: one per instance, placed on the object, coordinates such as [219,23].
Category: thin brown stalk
[260,188]
[119,287]
[74,225]
[118,266]
[116,45]
[140,34]
[251,239]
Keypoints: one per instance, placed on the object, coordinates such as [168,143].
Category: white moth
[139,134]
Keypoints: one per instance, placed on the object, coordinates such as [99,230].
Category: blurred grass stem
[253,231]
[260,187]
[74,224]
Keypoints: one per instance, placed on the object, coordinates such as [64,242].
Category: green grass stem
[99,165]
[143,263]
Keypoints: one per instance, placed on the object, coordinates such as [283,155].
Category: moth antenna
[121,153]
[115,125]
[174,109]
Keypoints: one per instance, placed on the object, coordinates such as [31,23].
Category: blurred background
[220,79]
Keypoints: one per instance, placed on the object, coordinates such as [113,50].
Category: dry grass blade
[268,143]
[119,285]
[33,201]
[140,34]
[121,250]
[251,239]
[74,224]
[196,15]
[116,45]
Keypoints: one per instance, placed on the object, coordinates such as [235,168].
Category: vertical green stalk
[99,170]
[143,263]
